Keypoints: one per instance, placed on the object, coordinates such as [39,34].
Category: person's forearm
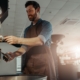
[30,41]
[19,52]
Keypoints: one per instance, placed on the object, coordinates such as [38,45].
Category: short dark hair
[33,3]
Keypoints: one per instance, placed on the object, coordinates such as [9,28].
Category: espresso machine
[7,68]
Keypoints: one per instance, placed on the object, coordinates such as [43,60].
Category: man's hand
[8,56]
[11,39]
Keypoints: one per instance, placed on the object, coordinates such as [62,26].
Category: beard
[32,17]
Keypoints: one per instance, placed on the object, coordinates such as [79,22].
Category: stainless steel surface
[23,78]
[10,66]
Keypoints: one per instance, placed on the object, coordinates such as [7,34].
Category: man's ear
[38,10]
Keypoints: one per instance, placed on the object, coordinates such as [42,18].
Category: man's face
[31,12]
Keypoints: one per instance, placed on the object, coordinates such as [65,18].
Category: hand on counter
[11,39]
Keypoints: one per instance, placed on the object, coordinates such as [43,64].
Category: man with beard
[38,59]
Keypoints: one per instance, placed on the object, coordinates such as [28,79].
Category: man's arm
[21,50]
[17,53]
[41,39]
[26,41]
[30,41]
[11,55]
